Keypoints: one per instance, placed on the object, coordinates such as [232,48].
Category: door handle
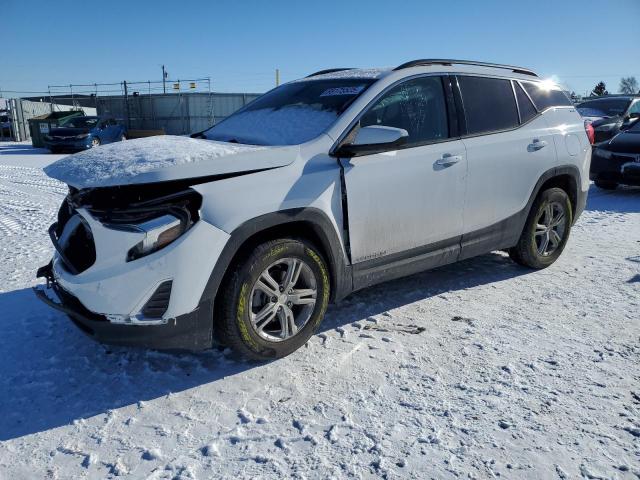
[447,160]
[536,145]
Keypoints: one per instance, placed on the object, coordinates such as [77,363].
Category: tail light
[591,134]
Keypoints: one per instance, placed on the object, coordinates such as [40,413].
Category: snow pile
[113,164]
[291,125]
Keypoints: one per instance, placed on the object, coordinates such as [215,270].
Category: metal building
[175,113]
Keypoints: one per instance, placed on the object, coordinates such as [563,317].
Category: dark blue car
[80,133]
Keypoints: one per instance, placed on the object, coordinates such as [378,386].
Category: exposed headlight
[82,135]
[601,152]
[159,233]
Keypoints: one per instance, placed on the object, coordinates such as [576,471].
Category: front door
[404,200]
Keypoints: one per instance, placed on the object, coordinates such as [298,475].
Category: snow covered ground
[476,370]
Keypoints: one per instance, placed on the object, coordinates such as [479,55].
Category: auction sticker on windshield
[331,92]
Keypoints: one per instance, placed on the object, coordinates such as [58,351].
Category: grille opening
[80,249]
[158,304]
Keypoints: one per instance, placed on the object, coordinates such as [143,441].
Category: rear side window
[489,104]
[544,97]
[417,106]
[527,110]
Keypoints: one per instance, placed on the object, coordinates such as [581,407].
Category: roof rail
[446,61]
[328,70]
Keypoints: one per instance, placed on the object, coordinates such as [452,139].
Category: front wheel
[546,231]
[95,142]
[274,300]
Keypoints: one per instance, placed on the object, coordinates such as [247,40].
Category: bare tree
[629,85]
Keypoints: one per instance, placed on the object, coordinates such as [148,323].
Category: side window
[527,110]
[544,97]
[417,105]
[489,104]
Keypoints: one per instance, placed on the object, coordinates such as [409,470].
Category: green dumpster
[40,126]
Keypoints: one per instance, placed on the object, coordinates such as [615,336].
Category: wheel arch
[308,223]
[568,179]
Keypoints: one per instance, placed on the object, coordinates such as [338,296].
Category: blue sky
[241,43]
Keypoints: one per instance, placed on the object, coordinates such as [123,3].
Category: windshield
[603,108]
[81,122]
[291,114]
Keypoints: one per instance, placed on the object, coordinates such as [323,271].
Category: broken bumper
[192,331]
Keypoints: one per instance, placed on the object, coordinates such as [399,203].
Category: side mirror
[373,139]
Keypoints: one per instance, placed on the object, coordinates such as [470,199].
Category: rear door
[412,197]
[508,146]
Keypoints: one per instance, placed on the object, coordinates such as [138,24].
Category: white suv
[323,186]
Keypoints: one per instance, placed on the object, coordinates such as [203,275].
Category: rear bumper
[192,331]
[614,170]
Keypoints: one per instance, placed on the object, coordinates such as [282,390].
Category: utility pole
[164,78]
[126,103]
[277,77]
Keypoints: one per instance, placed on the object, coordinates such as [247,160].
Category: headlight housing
[139,208]
[82,135]
[159,232]
[601,152]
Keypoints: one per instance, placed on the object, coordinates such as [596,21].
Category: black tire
[527,251]
[606,185]
[234,327]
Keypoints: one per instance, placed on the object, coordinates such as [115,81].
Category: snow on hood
[163,158]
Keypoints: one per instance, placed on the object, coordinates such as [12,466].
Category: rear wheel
[274,300]
[606,185]
[546,231]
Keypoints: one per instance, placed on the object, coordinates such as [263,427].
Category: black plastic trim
[408,262]
[54,239]
[192,331]
[322,227]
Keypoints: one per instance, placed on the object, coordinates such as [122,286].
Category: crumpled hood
[164,158]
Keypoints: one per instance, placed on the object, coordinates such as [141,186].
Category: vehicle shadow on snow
[52,374]
[622,200]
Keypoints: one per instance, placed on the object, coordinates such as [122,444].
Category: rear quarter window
[489,104]
[546,97]
[527,109]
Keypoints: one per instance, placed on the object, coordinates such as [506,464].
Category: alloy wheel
[283,299]
[550,228]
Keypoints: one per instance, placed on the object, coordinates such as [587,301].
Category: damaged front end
[110,269]
[161,212]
